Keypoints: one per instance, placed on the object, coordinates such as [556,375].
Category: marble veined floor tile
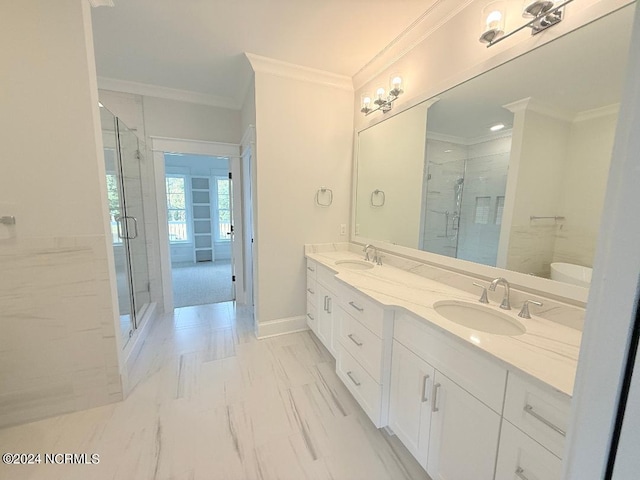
[211,402]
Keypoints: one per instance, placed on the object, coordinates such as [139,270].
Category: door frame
[160,146]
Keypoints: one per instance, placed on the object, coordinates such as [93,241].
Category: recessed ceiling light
[496,127]
[448,151]
[100,105]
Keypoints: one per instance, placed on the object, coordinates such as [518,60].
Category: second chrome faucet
[506,304]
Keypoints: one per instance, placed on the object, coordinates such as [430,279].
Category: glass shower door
[116,211]
[133,224]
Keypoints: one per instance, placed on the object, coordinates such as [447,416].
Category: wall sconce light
[543,14]
[382,102]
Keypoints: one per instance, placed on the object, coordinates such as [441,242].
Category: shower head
[460,181]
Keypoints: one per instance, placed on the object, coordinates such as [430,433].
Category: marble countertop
[548,351]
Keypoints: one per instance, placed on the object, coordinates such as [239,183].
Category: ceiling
[198,45]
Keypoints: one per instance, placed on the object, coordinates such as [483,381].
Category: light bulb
[380,93]
[365,103]
[494,20]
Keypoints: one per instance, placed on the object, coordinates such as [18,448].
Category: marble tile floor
[210,401]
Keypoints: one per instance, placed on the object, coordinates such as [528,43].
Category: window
[113,195]
[223,198]
[177,208]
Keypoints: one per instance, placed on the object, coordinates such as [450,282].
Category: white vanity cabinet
[312,295]
[364,352]
[533,431]
[445,402]
[321,304]
[522,458]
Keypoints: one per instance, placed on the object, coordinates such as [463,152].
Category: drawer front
[520,457]
[363,309]
[362,386]
[312,289]
[326,277]
[542,413]
[312,267]
[312,317]
[477,374]
[361,343]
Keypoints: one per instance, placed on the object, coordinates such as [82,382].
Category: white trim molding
[289,70]
[195,147]
[101,3]
[148,90]
[281,326]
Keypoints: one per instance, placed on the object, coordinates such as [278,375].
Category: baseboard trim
[281,326]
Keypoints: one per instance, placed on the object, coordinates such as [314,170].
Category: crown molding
[434,17]
[168,93]
[533,105]
[289,70]
[101,3]
[467,142]
[612,109]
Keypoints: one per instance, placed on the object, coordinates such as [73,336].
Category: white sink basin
[355,264]
[479,317]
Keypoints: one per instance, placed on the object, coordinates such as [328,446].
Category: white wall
[392,157]
[176,119]
[583,188]
[538,180]
[58,349]
[304,141]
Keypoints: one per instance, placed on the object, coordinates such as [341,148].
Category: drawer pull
[425,380]
[434,405]
[356,382]
[354,340]
[310,316]
[311,291]
[360,309]
[529,409]
[329,305]
[325,303]
[311,269]
[520,473]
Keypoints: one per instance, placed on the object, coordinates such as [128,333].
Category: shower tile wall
[445,164]
[485,177]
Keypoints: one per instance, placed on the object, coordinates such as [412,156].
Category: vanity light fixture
[543,14]
[382,102]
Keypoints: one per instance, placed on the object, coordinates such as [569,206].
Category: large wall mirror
[523,196]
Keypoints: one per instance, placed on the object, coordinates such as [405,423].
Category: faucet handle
[378,259]
[524,312]
[483,298]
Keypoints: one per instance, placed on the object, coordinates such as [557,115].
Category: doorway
[200,259]
[198,190]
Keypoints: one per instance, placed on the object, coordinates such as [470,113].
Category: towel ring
[378,193]
[323,191]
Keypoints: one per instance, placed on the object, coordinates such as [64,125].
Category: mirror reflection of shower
[464,196]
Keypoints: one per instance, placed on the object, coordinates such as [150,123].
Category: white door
[247,225]
[410,402]
[464,434]
[237,267]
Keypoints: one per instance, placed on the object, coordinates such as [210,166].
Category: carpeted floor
[201,283]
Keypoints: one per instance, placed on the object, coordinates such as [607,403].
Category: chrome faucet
[366,251]
[505,305]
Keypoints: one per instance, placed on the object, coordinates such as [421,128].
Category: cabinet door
[410,400]
[463,440]
[324,311]
[522,458]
